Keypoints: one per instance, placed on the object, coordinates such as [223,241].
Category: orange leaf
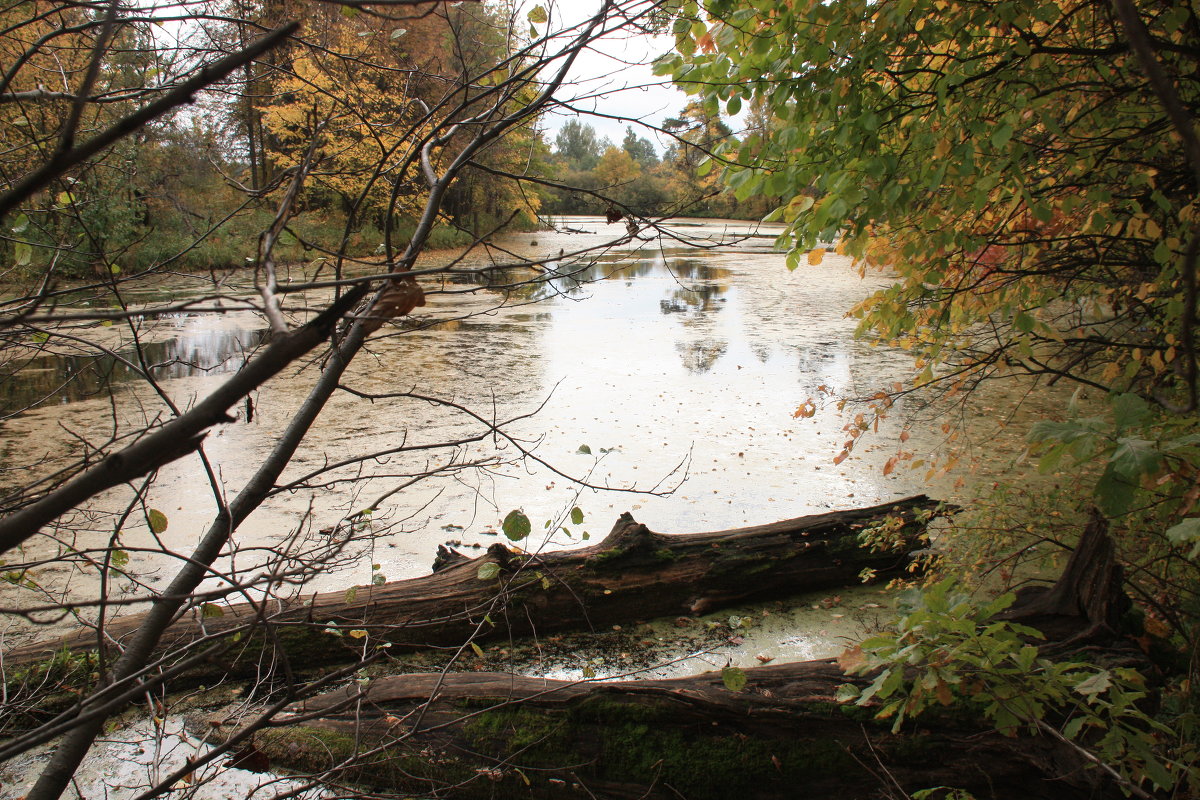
[943,693]
[851,659]
[807,409]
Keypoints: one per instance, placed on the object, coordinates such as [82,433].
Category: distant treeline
[195,190]
[597,174]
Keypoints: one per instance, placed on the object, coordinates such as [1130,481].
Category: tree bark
[782,736]
[633,574]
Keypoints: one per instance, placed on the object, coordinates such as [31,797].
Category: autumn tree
[1026,168]
[697,132]
[1029,173]
[82,505]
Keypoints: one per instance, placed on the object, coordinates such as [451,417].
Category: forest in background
[1028,171]
[192,189]
[594,173]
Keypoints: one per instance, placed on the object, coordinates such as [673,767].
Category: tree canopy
[1025,168]
[1027,171]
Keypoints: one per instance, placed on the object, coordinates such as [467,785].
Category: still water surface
[677,361]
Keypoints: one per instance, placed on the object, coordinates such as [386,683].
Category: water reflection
[700,356]
[49,378]
[652,354]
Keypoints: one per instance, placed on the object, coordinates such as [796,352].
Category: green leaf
[487,571]
[1114,494]
[1072,728]
[584,449]
[398,32]
[734,678]
[1095,685]
[157,520]
[351,593]
[576,516]
[538,15]
[478,650]
[119,558]
[378,579]
[1002,136]
[1136,458]
[22,254]
[1182,533]
[1130,411]
[516,525]
[847,692]
[20,224]
[211,610]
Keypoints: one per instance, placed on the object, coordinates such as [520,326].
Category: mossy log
[782,736]
[633,574]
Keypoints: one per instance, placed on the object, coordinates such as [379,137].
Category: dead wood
[633,574]
[782,736]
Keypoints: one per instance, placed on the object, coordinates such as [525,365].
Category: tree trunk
[782,736]
[633,574]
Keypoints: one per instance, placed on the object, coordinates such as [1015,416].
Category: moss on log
[633,574]
[477,735]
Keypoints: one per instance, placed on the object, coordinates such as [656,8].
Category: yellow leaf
[816,256]
[357,634]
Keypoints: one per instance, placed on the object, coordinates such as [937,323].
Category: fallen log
[782,736]
[633,574]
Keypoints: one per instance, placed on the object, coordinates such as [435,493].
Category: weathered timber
[633,574]
[473,735]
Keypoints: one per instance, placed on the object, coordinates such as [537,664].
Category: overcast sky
[615,79]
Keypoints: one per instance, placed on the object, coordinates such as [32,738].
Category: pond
[665,372]
[670,365]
